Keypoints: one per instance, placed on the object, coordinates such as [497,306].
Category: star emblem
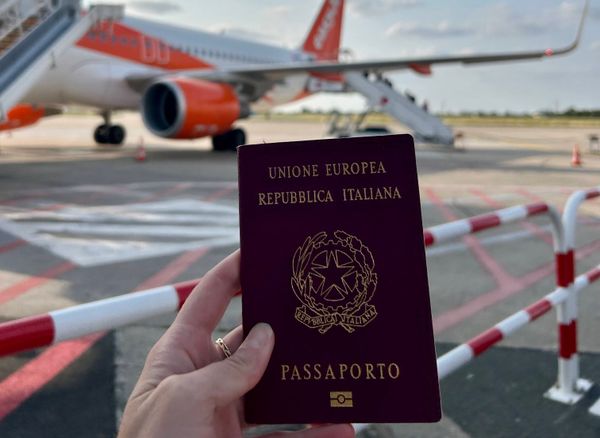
[333,274]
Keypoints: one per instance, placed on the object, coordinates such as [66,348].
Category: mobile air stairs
[33,33]
[426,127]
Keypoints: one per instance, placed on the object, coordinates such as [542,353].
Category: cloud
[595,46]
[440,30]
[379,7]
[501,19]
[277,13]
[154,6]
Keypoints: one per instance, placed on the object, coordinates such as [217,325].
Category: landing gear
[229,141]
[107,133]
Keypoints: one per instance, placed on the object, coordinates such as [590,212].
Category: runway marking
[167,192]
[221,193]
[12,245]
[11,292]
[450,318]
[38,372]
[486,260]
[97,235]
[96,190]
[26,381]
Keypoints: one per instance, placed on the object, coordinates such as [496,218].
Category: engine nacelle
[22,115]
[190,108]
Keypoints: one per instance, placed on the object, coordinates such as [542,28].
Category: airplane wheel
[116,135]
[238,138]
[101,134]
[229,140]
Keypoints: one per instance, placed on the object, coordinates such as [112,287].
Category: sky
[385,29]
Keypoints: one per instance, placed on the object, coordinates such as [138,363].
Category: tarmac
[79,223]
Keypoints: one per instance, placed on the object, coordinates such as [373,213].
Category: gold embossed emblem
[341,399]
[334,280]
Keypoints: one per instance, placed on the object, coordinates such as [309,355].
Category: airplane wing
[275,72]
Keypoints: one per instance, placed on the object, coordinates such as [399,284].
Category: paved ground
[80,223]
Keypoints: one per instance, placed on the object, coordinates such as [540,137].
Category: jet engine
[24,115]
[190,108]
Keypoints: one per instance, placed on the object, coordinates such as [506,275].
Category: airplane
[190,84]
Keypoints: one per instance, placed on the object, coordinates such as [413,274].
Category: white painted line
[131,230]
[90,236]
[71,214]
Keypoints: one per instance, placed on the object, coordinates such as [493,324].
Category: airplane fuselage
[94,71]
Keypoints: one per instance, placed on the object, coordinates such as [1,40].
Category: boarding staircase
[426,127]
[33,33]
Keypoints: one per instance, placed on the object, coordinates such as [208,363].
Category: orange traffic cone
[140,152]
[576,156]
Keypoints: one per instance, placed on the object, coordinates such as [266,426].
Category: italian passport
[332,257]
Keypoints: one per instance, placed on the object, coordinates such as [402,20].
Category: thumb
[228,380]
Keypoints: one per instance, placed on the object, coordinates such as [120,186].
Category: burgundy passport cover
[333,258]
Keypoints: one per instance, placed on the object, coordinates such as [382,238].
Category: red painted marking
[173,269]
[450,318]
[485,340]
[538,308]
[485,259]
[25,285]
[565,269]
[532,197]
[428,237]
[12,245]
[26,334]
[26,381]
[437,201]
[592,193]
[593,275]
[484,221]
[167,192]
[220,193]
[567,339]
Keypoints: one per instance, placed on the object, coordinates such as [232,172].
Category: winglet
[575,43]
[323,40]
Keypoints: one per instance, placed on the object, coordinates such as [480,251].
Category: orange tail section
[323,40]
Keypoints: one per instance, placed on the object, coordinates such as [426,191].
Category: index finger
[207,303]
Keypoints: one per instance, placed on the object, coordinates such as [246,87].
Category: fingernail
[260,335]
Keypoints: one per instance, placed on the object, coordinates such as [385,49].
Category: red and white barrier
[464,353]
[453,230]
[569,387]
[81,320]
[78,321]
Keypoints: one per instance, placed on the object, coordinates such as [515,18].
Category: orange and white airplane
[190,84]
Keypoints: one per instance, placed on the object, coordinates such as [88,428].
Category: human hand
[187,388]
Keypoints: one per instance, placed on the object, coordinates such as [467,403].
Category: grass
[382,119]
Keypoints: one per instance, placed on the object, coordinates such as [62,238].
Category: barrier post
[569,387]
